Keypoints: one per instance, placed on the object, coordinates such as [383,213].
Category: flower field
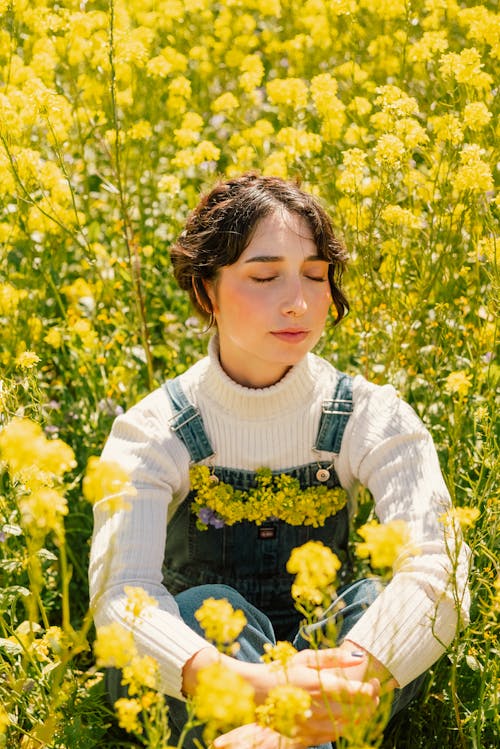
[114,116]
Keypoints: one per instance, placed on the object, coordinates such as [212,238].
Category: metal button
[323,474]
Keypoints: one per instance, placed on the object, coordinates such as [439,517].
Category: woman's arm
[387,449]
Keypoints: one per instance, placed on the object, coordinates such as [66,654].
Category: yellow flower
[169,184]
[225,103]
[27,360]
[222,700]
[42,511]
[315,567]
[77,291]
[384,544]
[128,712]
[476,115]
[138,600]
[279,654]
[220,622]
[251,73]
[141,130]
[275,165]
[54,338]
[289,91]
[107,480]
[29,453]
[458,383]
[353,170]
[465,517]
[466,68]
[284,709]
[473,174]
[140,672]
[114,646]
[10,298]
[389,150]
[394,215]
[4,720]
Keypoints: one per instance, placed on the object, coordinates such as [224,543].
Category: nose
[294,303]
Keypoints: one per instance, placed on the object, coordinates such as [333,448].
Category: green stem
[128,235]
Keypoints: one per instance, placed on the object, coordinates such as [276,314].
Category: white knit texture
[385,447]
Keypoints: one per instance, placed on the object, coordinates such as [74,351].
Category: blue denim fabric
[252,559]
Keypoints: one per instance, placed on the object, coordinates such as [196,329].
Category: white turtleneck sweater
[385,448]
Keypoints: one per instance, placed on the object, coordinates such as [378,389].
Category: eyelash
[271,278]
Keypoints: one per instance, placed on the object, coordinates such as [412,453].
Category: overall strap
[187,422]
[335,416]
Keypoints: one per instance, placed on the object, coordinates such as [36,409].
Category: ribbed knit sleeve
[387,449]
[128,545]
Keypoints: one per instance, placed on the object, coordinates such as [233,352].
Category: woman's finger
[330,658]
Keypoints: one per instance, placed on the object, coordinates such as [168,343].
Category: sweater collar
[290,393]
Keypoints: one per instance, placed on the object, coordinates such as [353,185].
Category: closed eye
[257,279]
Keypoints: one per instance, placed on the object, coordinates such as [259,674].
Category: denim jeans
[259,631]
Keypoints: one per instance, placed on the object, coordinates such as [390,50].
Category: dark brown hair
[221,226]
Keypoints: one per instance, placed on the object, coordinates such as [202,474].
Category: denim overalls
[248,557]
[246,563]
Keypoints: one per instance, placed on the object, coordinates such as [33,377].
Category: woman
[260,260]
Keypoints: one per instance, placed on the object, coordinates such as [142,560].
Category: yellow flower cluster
[220,622]
[38,464]
[386,545]
[286,707]
[461,518]
[458,383]
[138,600]
[280,497]
[114,646]
[31,456]
[107,480]
[279,654]
[222,700]
[315,567]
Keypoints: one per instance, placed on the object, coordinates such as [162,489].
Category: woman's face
[271,304]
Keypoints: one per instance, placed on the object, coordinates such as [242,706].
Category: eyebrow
[279,259]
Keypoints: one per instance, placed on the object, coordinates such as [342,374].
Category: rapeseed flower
[458,383]
[30,455]
[114,646]
[315,568]
[286,707]
[42,511]
[220,622]
[465,517]
[107,480]
[137,600]
[385,544]
[222,700]
[128,711]
[279,654]
[27,360]
[291,92]
[140,672]
[473,174]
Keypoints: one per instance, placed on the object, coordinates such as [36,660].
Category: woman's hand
[253,736]
[340,699]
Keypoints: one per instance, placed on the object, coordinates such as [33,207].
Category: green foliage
[113,117]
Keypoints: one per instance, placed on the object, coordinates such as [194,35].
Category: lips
[291,335]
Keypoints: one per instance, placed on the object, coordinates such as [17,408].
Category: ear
[210,290]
